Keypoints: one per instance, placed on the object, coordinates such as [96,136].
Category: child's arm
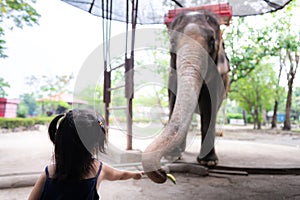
[112,174]
[38,187]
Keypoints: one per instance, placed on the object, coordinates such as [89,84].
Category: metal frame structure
[129,74]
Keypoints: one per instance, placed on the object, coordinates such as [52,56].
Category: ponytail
[53,127]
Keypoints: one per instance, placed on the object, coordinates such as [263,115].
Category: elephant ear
[223,65]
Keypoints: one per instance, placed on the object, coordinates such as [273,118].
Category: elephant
[198,82]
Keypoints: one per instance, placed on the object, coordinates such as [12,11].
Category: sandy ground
[189,186]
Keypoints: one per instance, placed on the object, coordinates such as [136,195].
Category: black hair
[79,133]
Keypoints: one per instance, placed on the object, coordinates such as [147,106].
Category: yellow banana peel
[172,178]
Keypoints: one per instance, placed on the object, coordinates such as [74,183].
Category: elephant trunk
[191,70]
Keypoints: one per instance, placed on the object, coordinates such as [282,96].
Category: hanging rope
[134,18]
[106,27]
[127,22]
[133,22]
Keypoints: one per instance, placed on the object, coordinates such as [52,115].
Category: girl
[76,174]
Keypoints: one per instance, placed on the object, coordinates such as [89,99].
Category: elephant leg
[172,84]
[208,109]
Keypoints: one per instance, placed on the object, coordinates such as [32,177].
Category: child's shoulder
[51,170]
[98,165]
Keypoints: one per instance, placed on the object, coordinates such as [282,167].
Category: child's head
[79,134]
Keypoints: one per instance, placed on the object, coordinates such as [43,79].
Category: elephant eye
[211,44]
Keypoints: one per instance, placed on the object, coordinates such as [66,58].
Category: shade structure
[154,11]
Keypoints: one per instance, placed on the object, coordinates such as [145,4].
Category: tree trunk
[264,118]
[258,109]
[255,119]
[291,77]
[258,119]
[288,106]
[274,118]
[245,117]
[259,124]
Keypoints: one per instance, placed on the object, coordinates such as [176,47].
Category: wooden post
[106,98]
[129,97]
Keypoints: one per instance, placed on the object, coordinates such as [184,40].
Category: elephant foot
[208,163]
[210,160]
[172,158]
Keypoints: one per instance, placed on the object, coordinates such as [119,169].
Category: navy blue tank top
[83,189]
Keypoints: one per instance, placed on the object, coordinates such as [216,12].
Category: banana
[172,178]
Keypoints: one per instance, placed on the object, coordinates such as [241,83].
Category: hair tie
[101,122]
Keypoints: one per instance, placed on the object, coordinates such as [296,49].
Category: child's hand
[138,175]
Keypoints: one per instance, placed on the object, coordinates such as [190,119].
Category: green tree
[47,86]
[15,13]
[160,67]
[276,97]
[246,46]
[254,93]
[27,106]
[22,110]
[296,102]
[287,49]
[3,85]
[93,95]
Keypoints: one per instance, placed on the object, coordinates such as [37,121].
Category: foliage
[246,46]
[229,116]
[42,120]
[296,102]
[287,50]
[53,107]
[93,95]
[249,43]
[281,99]
[47,86]
[155,93]
[12,123]
[234,116]
[22,110]
[15,13]
[3,84]
[255,93]
[27,105]
[118,95]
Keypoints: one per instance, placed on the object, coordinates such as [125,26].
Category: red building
[8,107]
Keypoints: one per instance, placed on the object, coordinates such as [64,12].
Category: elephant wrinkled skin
[198,82]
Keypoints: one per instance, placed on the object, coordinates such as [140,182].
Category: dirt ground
[213,186]
[192,187]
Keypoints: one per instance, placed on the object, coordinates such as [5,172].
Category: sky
[59,45]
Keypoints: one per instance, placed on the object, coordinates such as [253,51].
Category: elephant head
[197,57]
